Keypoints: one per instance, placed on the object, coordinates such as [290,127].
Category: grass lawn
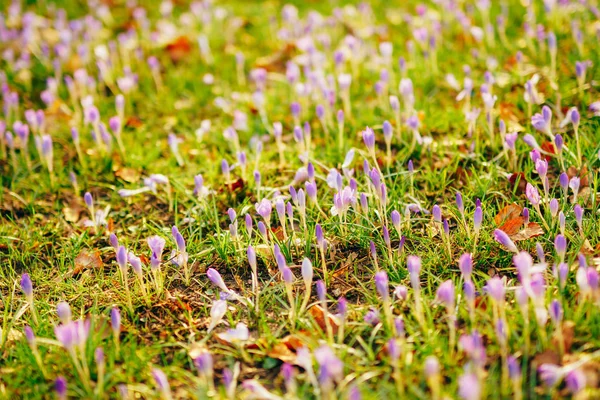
[270,200]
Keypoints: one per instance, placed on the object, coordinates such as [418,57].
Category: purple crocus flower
[543,121]
[502,238]
[477,218]
[162,383]
[556,312]
[331,368]
[64,312]
[496,289]
[381,283]
[469,387]
[576,381]
[550,374]
[369,139]
[414,270]
[445,294]
[372,317]
[465,264]
[27,287]
[60,387]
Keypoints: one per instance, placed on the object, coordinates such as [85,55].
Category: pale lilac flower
[502,238]
[469,387]
[64,312]
[162,383]
[550,374]
[381,283]
[239,334]
[445,294]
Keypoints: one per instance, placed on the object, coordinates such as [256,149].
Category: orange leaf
[512,226]
[509,212]
[87,259]
[283,353]
[318,314]
[133,122]
[179,49]
[532,229]
[128,174]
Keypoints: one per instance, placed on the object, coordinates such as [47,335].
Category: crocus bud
[495,288]
[369,138]
[60,387]
[414,270]
[27,287]
[563,272]
[469,387]
[401,292]
[437,213]
[576,381]
[564,182]
[122,258]
[532,194]
[502,238]
[381,283]
[216,279]
[445,294]
[307,271]
[287,275]
[477,218]
[162,383]
[251,257]
[387,131]
[559,142]
[465,264]
[321,291]
[556,312]
[459,203]
[64,312]
[89,201]
[554,207]
[560,245]
[578,211]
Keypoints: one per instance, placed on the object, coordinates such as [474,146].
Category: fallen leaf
[512,226]
[509,212]
[133,122]
[568,335]
[72,212]
[318,314]
[179,49]
[518,179]
[546,357]
[128,174]
[276,62]
[281,352]
[87,259]
[548,147]
[532,229]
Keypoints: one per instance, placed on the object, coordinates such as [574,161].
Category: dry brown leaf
[276,62]
[533,229]
[133,122]
[283,353]
[318,314]
[546,357]
[72,212]
[87,259]
[128,174]
[512,226]
[509,212]
[518,178]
